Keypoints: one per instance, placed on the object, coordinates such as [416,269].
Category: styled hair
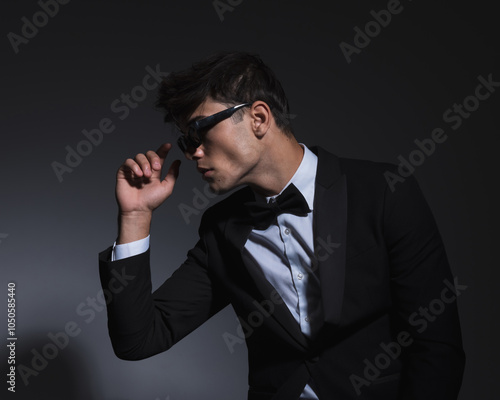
[227,77]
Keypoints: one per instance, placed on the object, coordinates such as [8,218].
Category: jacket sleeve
[142,323]
[424,294]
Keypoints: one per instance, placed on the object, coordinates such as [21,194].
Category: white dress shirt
[285,254]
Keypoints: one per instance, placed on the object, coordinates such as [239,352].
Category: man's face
[229,152]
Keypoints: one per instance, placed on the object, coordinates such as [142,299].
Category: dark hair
[227,77]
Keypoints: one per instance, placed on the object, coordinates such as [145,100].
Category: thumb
[172,174]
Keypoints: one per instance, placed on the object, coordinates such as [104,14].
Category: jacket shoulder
[357,171]
[367,170]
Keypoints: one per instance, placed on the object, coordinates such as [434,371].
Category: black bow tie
[290,201]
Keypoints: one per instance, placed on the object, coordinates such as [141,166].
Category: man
[340,268]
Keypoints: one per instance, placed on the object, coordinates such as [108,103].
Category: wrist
[133,226]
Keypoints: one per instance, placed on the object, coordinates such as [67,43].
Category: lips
[205,171]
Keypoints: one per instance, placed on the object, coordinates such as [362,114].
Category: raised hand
[140,190]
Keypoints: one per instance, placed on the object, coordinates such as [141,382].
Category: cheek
[227,155]
[243,148]
[239,161]
[233,154]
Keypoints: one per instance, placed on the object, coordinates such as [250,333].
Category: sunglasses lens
[192,139]
[189,141]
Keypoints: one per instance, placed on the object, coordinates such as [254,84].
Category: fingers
[163,151]
[131,168]
[157,158]
[144,165]
[153,161]
[173,173]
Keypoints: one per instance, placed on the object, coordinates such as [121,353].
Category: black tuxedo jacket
[391,328]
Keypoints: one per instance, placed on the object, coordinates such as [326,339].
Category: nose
[192,153]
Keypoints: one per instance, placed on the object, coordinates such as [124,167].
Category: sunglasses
[192,138]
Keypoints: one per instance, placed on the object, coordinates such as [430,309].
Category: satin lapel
[329,227]
[236,233]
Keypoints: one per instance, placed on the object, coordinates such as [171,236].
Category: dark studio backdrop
[411,81]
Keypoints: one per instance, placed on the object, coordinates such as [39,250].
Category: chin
[219,189]
[215,188]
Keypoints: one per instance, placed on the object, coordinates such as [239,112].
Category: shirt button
[300,276]
[287,231]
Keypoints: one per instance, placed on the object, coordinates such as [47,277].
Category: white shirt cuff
[131,249]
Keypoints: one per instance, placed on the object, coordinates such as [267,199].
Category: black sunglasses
[192,139]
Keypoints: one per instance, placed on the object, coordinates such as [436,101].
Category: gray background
[395,91]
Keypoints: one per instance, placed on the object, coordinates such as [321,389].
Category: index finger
[163,150]
[162,154]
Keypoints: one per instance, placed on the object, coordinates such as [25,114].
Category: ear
[261,118]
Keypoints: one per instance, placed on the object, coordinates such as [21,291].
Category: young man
[343,271]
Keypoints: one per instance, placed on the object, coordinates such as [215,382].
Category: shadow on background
[65,376]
